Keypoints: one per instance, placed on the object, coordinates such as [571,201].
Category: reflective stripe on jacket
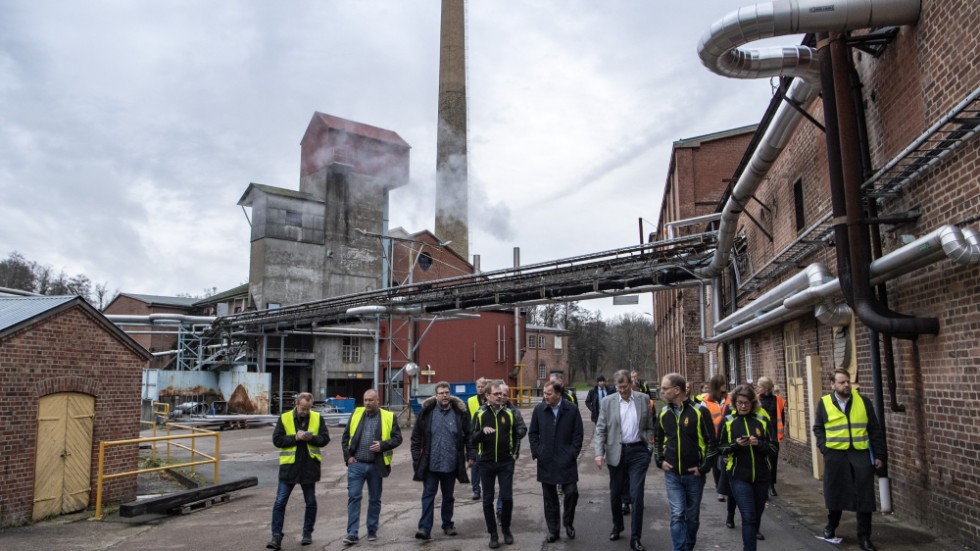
[387,420]
[288,455]
[844,431]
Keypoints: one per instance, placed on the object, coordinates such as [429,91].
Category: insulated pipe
[801,280]
[719,50]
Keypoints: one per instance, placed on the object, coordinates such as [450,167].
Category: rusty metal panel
[246,392]
[200,386]
[49,471]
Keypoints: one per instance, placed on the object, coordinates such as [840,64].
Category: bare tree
[16,273]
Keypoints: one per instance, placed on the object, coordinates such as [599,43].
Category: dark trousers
[751,499]
[551,508]
[773,465]
[309,496]
[630,473]
[475,478]
[492,473]
[864,523]
[430,484]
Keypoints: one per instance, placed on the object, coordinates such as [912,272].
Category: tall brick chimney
[452,202]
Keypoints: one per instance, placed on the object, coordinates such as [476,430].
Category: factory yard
[791,522]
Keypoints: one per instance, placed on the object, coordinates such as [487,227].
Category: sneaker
[307,538]
[477,496]
[372,537]
[450,531]
[422,535]
[350,540]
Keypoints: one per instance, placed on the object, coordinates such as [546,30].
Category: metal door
[63,465]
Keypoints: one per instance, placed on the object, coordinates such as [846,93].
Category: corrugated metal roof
[162,300]
[16,310]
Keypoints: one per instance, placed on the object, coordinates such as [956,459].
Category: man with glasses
[440,439]
[496,437]
[684,439]
[622,441]
[299,435]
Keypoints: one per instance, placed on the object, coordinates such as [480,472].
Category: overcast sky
[129,130]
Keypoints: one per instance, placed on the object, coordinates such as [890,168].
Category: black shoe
[730,524]
[721,498]
[307,538]
[494,543]
[759,536]
[450,531]
[635,545]
[552,538]
[626,508]
[866,545]
[614,535]
[773,492]
[477,496]
[508,537]
[420,535]
[828,533]
[570,532]
[275,543]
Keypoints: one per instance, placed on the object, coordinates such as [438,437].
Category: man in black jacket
[594,398]
[496,437]
[556,440]
[299,435]
[439,442]
[684,439]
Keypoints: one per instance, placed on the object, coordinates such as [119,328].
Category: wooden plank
[164,503]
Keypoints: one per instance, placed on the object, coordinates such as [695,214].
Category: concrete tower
[452,202]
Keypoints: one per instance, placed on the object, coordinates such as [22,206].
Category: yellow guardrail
[160,409]
[195,433]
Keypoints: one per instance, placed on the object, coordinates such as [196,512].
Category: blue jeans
[432,482]
[279,507]
[357,474]
[684,496]
[751,500]
[628,479]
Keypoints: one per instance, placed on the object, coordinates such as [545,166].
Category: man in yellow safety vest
[368,442]
[299,435]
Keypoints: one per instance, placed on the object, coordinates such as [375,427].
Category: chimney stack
[452,202]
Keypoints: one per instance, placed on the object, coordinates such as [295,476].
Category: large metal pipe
[720,51]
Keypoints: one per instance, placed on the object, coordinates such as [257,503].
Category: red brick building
[916,116]
[73,379]
[154,339]
[699,173]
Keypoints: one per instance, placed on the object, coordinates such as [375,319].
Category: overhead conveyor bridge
[635,269]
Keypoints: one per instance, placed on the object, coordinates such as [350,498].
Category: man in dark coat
[556,440]
[440,439]
[594,398]
[853,447]
[299,435]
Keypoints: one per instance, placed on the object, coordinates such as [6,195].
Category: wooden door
[796,428]
[63,465]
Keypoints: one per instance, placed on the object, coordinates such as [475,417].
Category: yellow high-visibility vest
[841,432]
[387,420]
[288,455]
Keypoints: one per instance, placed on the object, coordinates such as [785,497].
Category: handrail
[195,433]
[163,412]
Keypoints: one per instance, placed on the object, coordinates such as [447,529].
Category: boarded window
[798,202]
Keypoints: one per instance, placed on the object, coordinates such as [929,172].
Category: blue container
[416,404]
[343,405]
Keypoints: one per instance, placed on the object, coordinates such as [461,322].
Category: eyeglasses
[446,393]
[666,388]
[497,393]
[742,403]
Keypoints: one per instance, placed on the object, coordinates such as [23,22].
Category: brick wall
[68,352]
[929,68]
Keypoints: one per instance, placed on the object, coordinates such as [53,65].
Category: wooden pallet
[200,504]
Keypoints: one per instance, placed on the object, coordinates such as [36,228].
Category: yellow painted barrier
[195,433]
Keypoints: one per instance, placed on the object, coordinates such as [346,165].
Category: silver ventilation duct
[720,51]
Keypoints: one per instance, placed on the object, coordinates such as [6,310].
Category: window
[541,342]
[542,371]
[557,343]
[350,351]
[294,218]
[532,341]
[798,202]
[273,306]
[743,265]
[425,261]
[748,360]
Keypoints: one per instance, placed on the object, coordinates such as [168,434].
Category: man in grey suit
[622,441]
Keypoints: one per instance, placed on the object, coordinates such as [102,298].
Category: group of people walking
[737,434]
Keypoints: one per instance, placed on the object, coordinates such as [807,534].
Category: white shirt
[629,425]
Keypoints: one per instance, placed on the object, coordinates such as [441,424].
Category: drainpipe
[843,150]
